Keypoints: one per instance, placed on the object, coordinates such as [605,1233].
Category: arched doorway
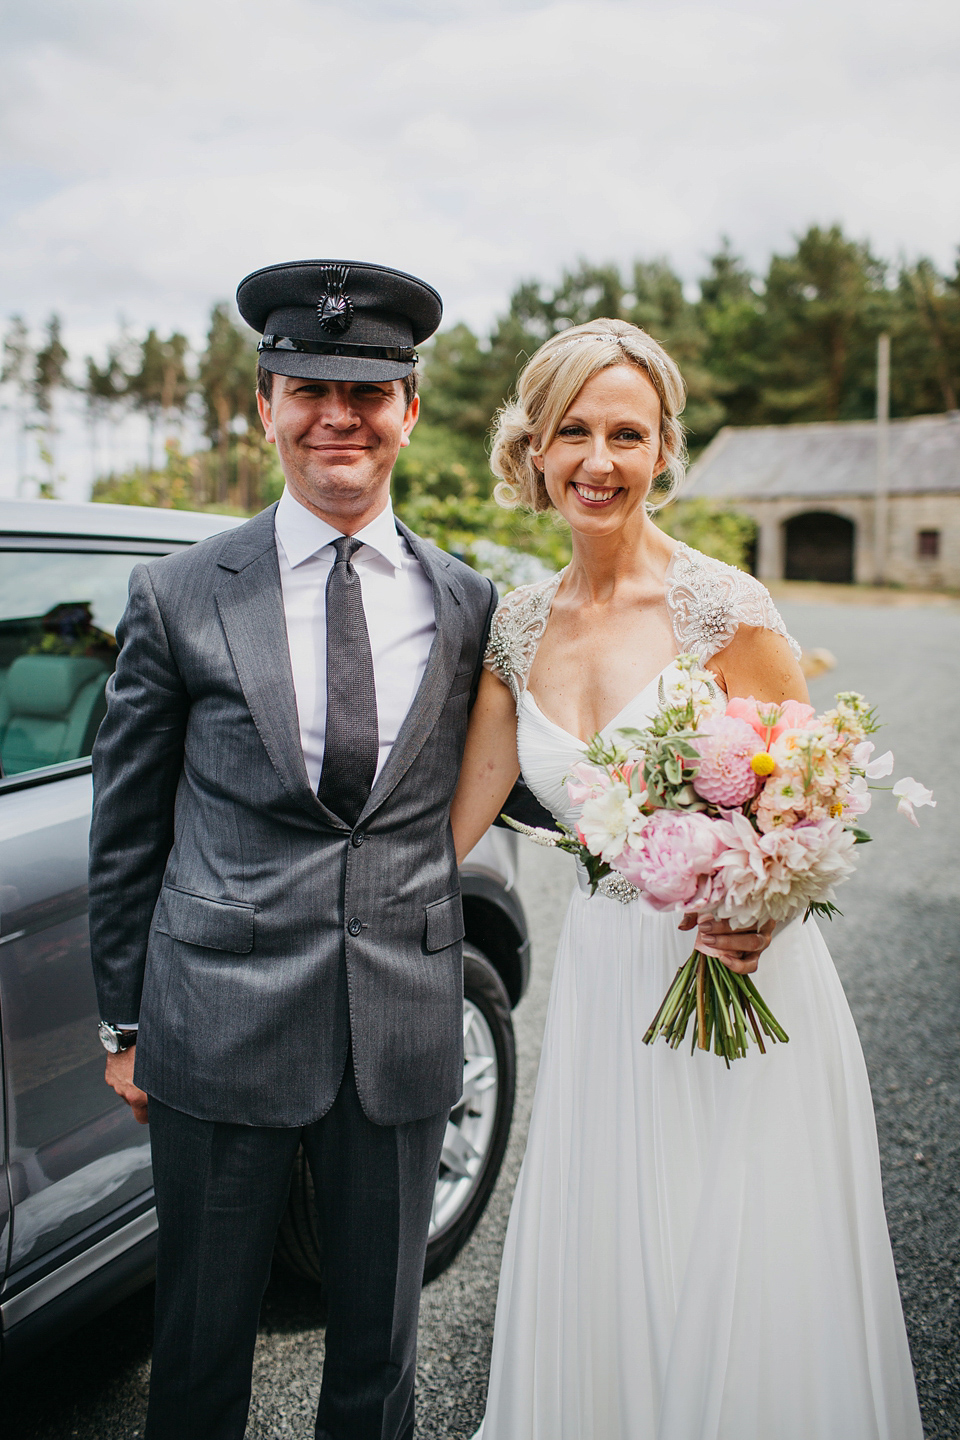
[819,547]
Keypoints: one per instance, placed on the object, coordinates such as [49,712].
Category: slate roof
[769,462]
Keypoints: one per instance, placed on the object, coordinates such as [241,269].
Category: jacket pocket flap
[213,924]
[462,683]
[444,923]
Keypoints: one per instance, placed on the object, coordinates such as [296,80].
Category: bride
[693,1253]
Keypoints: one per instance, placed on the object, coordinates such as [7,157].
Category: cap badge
[335,308]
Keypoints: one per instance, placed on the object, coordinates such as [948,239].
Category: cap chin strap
[330,347]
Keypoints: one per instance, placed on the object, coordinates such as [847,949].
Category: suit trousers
[221,1190]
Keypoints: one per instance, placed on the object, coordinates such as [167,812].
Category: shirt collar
[302,534]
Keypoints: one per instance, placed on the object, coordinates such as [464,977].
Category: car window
[58,618]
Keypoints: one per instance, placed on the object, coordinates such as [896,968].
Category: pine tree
[17,372]
[160,386]
[49,376]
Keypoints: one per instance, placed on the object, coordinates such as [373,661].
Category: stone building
[823,494]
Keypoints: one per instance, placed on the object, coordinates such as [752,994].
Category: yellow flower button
[763,763]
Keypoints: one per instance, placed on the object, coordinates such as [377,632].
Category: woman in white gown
[693,1253]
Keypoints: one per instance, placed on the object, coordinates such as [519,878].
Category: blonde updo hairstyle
[548,385]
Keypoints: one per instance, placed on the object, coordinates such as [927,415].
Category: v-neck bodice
[707,601]
[548,752]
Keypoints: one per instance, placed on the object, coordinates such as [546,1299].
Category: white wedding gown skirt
[693,1253]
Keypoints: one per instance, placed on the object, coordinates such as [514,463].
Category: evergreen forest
[797,343]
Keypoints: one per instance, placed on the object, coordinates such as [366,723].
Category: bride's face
[599,466]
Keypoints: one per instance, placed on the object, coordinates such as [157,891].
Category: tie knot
[346,547]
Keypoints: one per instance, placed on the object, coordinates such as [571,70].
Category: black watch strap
[114,1038]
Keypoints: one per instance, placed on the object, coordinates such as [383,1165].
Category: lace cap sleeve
[708,600]
[517,629]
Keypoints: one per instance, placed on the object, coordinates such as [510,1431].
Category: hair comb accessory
[593,335]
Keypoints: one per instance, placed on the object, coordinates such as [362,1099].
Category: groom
[274,897]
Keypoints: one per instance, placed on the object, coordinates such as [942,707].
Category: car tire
[474,1144]
[488,1037]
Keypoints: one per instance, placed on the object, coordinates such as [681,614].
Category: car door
[76,1159]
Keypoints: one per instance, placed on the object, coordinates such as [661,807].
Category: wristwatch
[114,1040]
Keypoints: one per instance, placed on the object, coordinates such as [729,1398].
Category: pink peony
[724,776]
[768,720]
[672,858]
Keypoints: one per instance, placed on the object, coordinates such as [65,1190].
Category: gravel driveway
[897,952]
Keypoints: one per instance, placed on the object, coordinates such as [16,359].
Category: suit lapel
[250,601]
[438,676]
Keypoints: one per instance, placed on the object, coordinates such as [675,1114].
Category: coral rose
[768,720]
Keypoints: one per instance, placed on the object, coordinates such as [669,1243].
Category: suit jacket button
[354,926]
[357,839]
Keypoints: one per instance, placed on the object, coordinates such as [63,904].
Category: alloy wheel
[472,1122]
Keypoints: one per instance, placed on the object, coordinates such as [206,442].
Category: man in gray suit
[274,898]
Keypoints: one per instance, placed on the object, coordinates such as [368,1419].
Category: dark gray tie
[352,742]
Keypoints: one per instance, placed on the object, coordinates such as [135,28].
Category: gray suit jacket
[250,930]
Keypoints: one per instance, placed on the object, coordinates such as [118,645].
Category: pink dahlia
[672,858]
[724,775]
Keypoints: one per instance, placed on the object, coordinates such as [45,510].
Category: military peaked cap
[338,319]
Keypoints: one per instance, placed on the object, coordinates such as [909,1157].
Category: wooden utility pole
[881,505]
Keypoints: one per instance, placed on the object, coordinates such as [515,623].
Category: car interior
[50,709]
[53,674]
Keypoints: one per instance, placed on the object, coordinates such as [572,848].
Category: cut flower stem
[727,1009]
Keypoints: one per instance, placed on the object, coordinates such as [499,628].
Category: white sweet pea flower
[883,765]
[862,752]
[858,799]
[910,793]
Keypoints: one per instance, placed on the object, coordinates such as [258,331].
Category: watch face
[108,1039]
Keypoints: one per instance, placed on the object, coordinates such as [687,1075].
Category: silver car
[77,1219]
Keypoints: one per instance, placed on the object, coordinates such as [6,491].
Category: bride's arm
[759,663]
[490,765]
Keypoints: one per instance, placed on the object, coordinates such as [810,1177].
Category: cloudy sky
[154,153]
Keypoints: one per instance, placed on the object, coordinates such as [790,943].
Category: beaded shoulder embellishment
[708,600]
[516,631]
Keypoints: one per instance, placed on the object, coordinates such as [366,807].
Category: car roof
[115,522]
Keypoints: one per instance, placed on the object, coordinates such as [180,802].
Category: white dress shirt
[397,602]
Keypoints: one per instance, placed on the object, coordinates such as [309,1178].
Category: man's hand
[119,1076]
[740,950]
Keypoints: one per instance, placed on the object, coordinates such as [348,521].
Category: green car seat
[50,710]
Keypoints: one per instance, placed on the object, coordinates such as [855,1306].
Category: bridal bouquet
[735,809]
